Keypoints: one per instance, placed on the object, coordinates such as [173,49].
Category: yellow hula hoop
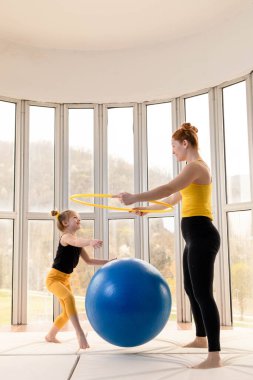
[74,196]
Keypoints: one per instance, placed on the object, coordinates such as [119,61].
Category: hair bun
[189,127]
[54,213]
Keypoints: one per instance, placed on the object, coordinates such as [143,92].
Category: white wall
[160,72]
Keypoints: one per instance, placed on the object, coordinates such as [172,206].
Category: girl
[70,248]
[193,186]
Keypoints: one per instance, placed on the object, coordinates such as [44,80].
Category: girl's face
[74,222]
[179,149]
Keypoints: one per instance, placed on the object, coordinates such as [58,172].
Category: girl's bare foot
[82,341]
[213,360]
[198,342]
[51,339]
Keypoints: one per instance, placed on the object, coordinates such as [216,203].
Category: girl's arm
[189,174]
[90,261]
[69,239]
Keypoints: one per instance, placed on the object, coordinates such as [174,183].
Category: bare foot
[213,361]
[51,339]
[82,341]
[198,342]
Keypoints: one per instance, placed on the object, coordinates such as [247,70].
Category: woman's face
[179,149]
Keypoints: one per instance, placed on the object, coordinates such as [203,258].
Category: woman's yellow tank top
[197,200]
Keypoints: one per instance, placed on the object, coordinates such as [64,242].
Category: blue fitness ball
[128,302]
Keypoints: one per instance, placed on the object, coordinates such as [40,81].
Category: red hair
[187,132]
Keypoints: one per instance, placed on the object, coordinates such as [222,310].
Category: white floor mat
[27,356]
[44,367]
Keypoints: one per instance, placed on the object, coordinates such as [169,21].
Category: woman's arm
[90,261]
[188,175]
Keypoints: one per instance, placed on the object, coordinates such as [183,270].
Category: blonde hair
[187,132]
[61,217]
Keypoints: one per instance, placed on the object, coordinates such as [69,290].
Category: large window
[40,257]
[41,200]
[120,150]
[6,249]
[240,227]
[7,165]
[121,238]
[81,154]
[41,159]
[159,132]
[160,171]
[51,151]
[197,113]
[7,151]
[236,143]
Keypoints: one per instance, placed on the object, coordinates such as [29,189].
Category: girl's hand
[96,243]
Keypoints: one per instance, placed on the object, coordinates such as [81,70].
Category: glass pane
[240,236]
[7,150]
[159,131]
[83,272]
[120,151]
[236,143]
[121,238]
[40,259]
[6,253]
[81,155]
[162,255]
[41,159]
[197,113]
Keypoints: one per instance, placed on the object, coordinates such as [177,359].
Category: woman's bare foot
[82,341]
[213,360]
[198,342]
[51,339]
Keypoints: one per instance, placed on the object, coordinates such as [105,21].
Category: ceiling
[104,25]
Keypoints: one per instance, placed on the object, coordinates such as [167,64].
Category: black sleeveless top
[66,258]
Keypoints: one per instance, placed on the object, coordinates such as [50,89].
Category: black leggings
[202,244]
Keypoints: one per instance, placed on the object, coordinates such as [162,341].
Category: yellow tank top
[197,200]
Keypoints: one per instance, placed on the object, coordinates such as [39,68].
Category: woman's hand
[126,198]
[138,211]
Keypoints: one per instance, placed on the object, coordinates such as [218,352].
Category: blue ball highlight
[128,302]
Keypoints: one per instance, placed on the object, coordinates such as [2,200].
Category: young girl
[70,248]
[194,187]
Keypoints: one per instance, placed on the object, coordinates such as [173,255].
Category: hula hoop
[74,196]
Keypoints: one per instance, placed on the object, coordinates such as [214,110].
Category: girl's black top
[66,258]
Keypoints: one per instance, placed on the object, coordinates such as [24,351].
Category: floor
[25,355]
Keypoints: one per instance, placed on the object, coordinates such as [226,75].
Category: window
[160,171]
[7,154]
[41,193]
[120,148]
[197,113]
[121,238]
[240,238]
[7,172]
[81,155]
[41,159]
[40,258]
[159,132]
[236,143]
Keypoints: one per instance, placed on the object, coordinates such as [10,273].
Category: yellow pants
[58,283]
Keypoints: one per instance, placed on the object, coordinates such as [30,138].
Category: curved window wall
[51,151]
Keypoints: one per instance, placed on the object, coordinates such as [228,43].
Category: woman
[193,186]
